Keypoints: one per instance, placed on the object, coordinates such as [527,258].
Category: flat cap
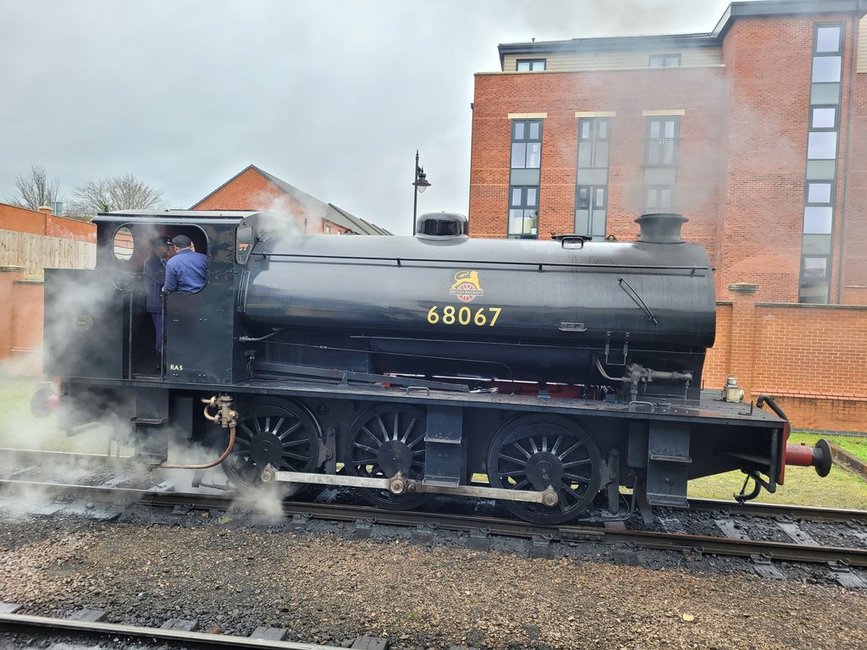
[182,241]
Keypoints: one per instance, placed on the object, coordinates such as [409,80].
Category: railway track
[732,539]
[41,628]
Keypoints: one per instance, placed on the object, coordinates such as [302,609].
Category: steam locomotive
[546,375]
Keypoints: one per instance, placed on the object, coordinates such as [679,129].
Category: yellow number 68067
[464,316]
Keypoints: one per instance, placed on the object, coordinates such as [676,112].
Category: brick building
[757,131]
[255,189]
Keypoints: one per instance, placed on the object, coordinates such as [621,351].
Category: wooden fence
[34,253]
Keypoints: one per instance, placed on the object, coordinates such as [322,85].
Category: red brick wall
[43,223]
[851,225]
[560,95]
[21,322]
[27,324]
[743,153]
[811,359]
[718,360]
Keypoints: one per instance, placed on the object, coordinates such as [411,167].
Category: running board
[397,484]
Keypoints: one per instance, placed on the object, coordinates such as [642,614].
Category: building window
[524,212]
[663,138]
[823,117]
[659,198]
[526,144]
[660,163]
[821,167]
[827,39]
[530,65]
[524,179]
[590,210]
[664,60]
[814,280]
[591,182]
[593,142]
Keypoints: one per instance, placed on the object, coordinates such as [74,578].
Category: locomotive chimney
[661,228]
[439,226]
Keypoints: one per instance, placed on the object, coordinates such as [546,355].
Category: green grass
[857,446]
[840,489]
[20,429]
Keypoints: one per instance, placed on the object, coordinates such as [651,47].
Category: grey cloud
[333,97]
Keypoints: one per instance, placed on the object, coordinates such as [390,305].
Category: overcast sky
[332,96]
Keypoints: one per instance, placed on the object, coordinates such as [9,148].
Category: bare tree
[35,189]
[124,192]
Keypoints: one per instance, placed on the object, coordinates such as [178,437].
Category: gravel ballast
[326,588]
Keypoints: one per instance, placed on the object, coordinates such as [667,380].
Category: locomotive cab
[97,324]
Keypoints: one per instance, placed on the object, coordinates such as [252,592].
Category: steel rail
[751,509]
[742,548]
[754,509]
[11,623]
[471,523]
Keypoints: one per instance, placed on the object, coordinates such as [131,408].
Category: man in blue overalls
[187,270]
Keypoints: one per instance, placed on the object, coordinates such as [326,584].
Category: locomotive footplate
[398,484]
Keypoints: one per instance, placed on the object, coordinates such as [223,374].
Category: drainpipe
[842,219]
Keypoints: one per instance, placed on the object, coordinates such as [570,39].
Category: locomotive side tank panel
[562,293]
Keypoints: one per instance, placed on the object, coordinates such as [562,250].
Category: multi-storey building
[757,131]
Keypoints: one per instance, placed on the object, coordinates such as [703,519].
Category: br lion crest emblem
[466,286]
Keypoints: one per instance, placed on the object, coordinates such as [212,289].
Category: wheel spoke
[408,429]
[370,433]
[288,431]
[382,427]
[556,445]
[520,463]
[365,447]
[576,463]
[571,449]
[294,443]
[521,449]
[415,441]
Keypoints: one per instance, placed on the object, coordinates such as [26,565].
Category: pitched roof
[313,206]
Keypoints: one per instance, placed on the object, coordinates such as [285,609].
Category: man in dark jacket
[154,278]
[187,270]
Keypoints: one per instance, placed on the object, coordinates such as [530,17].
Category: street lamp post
[420,184]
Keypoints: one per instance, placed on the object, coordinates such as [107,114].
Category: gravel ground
[329,589]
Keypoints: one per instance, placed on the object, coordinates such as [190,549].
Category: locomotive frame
[324,414]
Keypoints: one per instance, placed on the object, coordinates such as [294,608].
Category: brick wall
[811,358]
[742,152]
[851,226]
[561,95]
[21,323]
[42,222]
